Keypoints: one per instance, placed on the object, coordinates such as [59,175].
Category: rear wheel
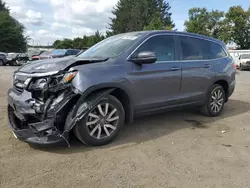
[1,63]
[215,101]
[102,124]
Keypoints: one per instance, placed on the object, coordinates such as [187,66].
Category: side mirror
[144,58]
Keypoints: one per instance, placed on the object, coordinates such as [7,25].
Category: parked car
[3,58]
[244,62]
[121,77]
[43,55]
[57,53]
[22,59]
[34,52]
[17,59]
[11,58]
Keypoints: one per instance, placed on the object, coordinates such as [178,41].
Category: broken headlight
[69,76]
[48,82]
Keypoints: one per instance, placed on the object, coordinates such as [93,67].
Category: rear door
[157,85]
[196,64]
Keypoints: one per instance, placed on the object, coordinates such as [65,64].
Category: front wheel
[215,101]
[102,124]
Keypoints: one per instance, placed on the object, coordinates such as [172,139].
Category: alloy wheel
[217,101]
[102,121]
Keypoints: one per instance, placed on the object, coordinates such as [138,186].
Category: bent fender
[84,106]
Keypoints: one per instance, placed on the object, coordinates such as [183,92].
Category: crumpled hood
[57,64]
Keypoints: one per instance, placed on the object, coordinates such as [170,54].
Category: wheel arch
[115,90]
[225,86]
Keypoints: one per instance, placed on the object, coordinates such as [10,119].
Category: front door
[157,85]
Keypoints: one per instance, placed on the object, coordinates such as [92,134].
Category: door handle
[207,66]
[175,69]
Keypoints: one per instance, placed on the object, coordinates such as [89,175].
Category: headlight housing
[68,77]
[53,81]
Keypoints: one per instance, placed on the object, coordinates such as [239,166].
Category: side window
[162,45]
[74,52]
[68,52]
[194,49]
[216,51]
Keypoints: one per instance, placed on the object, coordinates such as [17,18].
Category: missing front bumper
[46,131]
[42,133]
[39,128]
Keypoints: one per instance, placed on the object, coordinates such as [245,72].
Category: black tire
[241,68]
[82,132]
[207,109]
[2,63]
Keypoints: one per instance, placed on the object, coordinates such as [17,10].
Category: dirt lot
[177,149]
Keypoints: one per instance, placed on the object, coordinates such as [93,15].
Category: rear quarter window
[217,51]
[200,49]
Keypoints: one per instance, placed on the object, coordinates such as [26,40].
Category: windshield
[112,46]
[58,52]
[245,56]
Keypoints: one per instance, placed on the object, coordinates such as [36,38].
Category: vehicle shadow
[151,127]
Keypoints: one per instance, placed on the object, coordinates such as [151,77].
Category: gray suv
[121,77]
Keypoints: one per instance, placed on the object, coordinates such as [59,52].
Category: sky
[48,20]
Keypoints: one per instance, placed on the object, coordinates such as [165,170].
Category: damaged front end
[38,106]
[40,102]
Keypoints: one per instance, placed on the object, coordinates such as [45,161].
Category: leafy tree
[203,22]
[165,15]
[232,26]
[56,43]
[79,43]
[155,23]
[3,7]
[238,26]
[11,32]
[130,15]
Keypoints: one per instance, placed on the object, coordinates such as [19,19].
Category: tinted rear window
[216,51]
[198,49]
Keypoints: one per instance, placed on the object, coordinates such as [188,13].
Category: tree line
[130,15]
[230,26]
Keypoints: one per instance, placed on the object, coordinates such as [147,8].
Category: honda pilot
[93,94]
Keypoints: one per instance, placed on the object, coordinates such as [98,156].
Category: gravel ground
[174,149]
